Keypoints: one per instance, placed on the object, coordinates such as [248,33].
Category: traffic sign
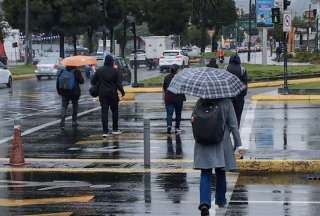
[287,22]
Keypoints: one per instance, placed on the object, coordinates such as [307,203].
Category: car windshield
[170,53]
[48,61]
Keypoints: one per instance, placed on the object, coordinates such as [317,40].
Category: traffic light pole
[285,64]
[249,42]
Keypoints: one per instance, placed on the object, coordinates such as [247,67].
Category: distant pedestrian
[108,81]
[278,53]
[235,68]
[68,81]
[173,102]
[213,63]
[221,55]
[88,69]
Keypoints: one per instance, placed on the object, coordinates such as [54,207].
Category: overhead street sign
[286,22]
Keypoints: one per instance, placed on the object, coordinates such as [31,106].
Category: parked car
[141,58]
[5,75]
[47,67]
[124,69]
[173,57]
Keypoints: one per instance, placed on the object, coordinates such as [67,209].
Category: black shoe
[168,130]
[204,210]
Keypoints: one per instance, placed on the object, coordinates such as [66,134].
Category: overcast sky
[296,5]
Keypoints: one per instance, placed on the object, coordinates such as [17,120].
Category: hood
[235,60]
[108,61]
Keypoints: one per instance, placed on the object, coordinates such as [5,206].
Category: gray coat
[222,154]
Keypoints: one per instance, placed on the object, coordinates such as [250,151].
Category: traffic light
[314,11]
[275,15]
[286,4]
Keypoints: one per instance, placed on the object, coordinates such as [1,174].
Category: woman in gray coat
[219,156]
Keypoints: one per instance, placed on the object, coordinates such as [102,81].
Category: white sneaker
[105,135]
[117,132]
[178,130]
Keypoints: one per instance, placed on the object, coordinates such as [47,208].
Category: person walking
[213,119]
[278,53]
[68,81]
[218,156]
[235,68]
[108,82]
[173,102]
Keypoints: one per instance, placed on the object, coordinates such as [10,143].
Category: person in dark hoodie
[173,102]
[235,68]
[68,81]
[108,80]
[213,63]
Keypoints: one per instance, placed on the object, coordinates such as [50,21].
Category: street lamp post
[249,42]
[27,38]
[132,21]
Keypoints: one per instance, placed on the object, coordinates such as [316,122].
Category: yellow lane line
[285,97]
[101,160]
[44,201]
[52,214]
[96,170]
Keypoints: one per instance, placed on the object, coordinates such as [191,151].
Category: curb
[244,166]
[279,166]
[23,77]
[285,97]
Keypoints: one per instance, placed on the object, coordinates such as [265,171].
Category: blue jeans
[171,108]
[205,187]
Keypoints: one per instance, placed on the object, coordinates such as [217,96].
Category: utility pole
[249,42]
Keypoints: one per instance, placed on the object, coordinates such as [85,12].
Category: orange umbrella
[79,60]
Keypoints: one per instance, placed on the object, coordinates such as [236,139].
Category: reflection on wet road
[279,195]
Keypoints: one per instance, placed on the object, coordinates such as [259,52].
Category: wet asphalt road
[268,130]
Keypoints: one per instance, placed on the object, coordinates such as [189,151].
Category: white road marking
[281,202]
[40,127]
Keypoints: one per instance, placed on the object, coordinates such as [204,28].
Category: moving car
[5,75]
[47,67]
[173,57]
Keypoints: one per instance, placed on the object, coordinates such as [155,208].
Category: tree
[166,17]
[213,14]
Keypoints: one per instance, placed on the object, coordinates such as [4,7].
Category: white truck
[154,46]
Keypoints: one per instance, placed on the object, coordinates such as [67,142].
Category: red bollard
[17,155]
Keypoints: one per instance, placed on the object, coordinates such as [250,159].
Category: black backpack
[207,122]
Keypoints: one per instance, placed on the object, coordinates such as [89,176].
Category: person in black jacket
[72,95]
[235,68]
[173,102]
[108,81]
[213,63]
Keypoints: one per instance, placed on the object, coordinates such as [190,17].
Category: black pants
[65,103]
[238,104]
[113,104]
